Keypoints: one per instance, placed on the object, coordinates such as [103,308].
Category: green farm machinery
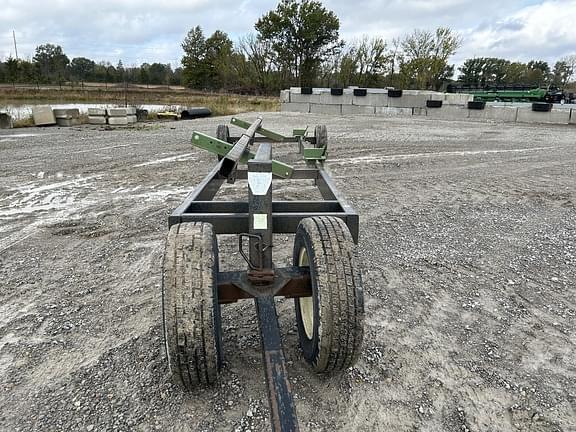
[509,93]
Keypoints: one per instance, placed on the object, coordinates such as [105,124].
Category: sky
[136,31]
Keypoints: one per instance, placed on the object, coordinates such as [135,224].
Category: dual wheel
[330,322]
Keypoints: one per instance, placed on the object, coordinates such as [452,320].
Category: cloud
[136,31]
[542,31]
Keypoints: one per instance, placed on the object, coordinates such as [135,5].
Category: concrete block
[118,121]
[117,112]
[573,116]
[419,111]
[449,112]
[326,109]
[328,99]
[372,99]
[304,98]
[506,114]
[408,101]
[295,107]
[43,115]
[96,120]
[555,116]
[457,98]
[67,122]
[131,119]
[378,91]
[96,111]
[131,110]
[358,109]
[284,96]
[393,111]
[6,121]
[66,113]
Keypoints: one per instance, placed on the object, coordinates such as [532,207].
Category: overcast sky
[136,31]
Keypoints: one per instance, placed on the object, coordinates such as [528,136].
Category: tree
[486,71]
[570,61]
[158,73]
[12,68]
[538,72]
[302,34]
[561,74]
[217,61]
[51,61]
[207,63]
[194,46]
[425,55]
[82,68]
[364,62]
[260,68]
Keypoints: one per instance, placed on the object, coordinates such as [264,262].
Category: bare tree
[425,57]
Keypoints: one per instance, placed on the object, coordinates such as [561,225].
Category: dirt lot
[468,249]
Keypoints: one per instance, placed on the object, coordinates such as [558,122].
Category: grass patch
[219,104]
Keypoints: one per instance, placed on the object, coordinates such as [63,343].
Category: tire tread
[339,284]
[188,297]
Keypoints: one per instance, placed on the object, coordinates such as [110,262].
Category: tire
[359,92]
[541,106]
[433,104]
[190,308]
[306,90]
[394,93]
[476,105]
[330,323]
[222,133]
[336,91]
[321,135]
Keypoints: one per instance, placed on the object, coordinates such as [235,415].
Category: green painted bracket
[264,132]
[315,153]
[300,132]
[221,148]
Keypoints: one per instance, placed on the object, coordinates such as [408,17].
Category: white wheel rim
[306,303]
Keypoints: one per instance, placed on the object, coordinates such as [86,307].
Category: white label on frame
[259,182]
[260,221]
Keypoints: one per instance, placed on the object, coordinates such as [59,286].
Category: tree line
[50,65]
[297,44]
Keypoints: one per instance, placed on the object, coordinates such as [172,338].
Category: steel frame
[257,219]
[231,217]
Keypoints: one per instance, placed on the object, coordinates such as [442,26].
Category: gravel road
[468,250]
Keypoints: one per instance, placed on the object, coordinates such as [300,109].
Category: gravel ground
[468,255]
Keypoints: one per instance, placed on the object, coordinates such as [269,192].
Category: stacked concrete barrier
[97,116]
[67,117]
[321,101]
[446,106]
[121,116]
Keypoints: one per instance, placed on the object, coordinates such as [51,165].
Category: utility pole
[15,46]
